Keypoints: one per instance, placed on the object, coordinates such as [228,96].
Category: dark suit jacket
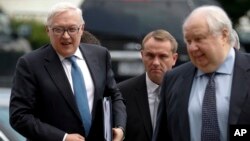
[173,122]
[134,91]
[42,105]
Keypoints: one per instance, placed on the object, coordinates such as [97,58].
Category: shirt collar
[78,54]
[151,86]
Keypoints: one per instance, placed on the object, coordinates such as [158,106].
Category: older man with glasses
[58,89]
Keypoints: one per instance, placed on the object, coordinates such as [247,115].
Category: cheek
[55,41]
[168,61]
[145,60]
[147,64]
[50,36]
[168,66]
[76,41]
[189,51]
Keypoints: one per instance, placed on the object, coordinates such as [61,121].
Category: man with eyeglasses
[58,89]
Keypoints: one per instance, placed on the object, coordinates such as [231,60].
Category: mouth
[156,70]
[199,55]
[66,43]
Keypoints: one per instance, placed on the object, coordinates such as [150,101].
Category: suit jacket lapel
[239,90]
[92,64]
[141,98]
[57,74]
[184,93]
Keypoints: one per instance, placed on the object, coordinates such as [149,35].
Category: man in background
[89,38]
[142,92]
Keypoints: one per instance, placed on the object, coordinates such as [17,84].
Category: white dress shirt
[223,80]
[86,75]
[153,99]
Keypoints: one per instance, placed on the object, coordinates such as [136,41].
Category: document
[107,115]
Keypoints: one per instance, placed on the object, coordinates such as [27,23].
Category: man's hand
[74,137]
[118,134]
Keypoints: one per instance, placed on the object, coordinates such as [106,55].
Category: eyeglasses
[59,31]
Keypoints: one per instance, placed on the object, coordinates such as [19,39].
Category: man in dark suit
[43,105]
[141,93]
[183,113]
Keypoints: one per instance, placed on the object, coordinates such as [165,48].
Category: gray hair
[217,19]
[60,8]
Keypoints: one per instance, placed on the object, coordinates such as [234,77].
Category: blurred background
[120,25]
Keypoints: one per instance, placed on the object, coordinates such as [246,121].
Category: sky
[36,9]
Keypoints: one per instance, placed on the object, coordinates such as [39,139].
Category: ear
[47,29]
[225,35]
[175,57]
[141,53]
[82,29]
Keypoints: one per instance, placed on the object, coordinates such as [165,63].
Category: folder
[107,115]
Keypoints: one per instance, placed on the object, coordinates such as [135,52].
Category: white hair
[237,41]
[217,19]
[60,8]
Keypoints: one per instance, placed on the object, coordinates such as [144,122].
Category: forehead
[156,45]
[195,26]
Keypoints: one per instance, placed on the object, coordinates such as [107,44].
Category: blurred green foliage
[37,36]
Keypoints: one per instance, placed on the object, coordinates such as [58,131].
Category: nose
[66,34]
[156,61]
[192,46]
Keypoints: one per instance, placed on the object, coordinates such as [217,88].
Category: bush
[37,36]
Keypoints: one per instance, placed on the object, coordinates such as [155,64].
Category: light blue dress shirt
[223,80]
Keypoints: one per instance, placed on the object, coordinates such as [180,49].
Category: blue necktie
[210,128]
[80,94]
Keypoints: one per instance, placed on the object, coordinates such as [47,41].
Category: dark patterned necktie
[80,94]
[210,127]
